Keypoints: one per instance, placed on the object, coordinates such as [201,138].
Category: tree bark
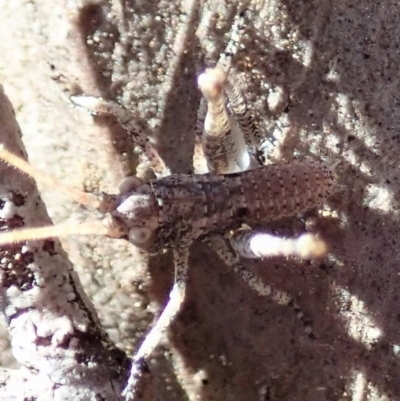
[55,332]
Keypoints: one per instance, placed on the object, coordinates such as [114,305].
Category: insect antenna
[104,203]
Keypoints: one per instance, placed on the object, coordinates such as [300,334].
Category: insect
[175,210]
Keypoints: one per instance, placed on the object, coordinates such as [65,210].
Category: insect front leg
[139,133]
[172,308]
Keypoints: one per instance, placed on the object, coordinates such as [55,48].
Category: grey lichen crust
[55,333]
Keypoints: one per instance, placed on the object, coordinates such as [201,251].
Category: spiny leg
[199,160]
[208,138]
[128,120]
[174,304]
[231,259]
[223,143]
[237,105]
[244,117]
[237,102]
[228,138]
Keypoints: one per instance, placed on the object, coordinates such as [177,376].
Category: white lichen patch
[357,318]
[362,389]
[276,98]
[378,198]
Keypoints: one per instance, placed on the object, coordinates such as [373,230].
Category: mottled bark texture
[55,333]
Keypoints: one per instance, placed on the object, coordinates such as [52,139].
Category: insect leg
[230,258]
[257,245]
[128,120]
[223,143]
[238,106]
[174,304]
[244,118]
[237,102]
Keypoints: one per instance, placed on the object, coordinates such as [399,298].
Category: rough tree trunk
[55,332]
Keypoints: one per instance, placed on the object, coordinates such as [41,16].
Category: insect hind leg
[231,259]
[252,244]
[223,144]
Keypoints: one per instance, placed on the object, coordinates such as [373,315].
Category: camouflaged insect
[175,210]
[179,209]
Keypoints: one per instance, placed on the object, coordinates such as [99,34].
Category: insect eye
[139,236]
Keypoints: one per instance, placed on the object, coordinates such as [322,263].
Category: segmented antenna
[83,198]
[59,230]
[104,203]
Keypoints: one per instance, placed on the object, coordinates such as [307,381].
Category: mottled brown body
[183,208]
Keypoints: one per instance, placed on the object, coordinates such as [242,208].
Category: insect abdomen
[201,204]
[280,190]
